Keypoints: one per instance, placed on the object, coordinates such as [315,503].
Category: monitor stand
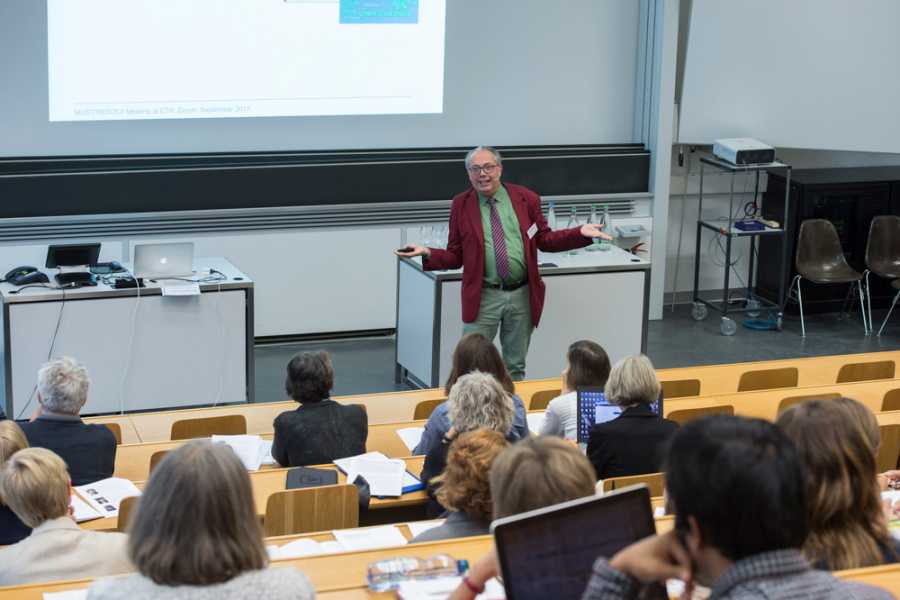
[76,279]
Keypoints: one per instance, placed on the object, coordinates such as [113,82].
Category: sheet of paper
[411,436]
[265,452]
[82,511]
[385,477]
[417,527]
[179,288]
[368,538]
[409,479]
[439,589]
[245,446]
[296,549]
[347,464]
[106,495]
[331,547]
[67,595]
[535,421]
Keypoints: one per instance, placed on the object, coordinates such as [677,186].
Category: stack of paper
[535,421]
[106,495]
[251,449]
[411,436]
[386,476]
[82,511]
[369,538]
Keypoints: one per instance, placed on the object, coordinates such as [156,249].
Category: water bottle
[573,223]
[595,245]
[551,216]
[604,220]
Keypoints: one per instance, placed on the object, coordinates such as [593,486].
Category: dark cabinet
[849,198]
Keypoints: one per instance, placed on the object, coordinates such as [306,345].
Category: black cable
[62,306]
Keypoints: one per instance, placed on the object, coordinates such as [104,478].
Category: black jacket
[630,444]
[319,432]
[89,450]
[12,529]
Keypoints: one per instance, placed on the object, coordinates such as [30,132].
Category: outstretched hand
[413,250]
[594,231]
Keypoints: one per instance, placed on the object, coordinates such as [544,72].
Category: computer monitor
[72,255]
[593,408]
[550,552]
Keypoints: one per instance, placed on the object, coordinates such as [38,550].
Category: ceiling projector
[743,151]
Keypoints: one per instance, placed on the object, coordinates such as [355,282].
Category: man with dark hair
[737,488]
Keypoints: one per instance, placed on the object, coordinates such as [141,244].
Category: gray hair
[63,385]
[490,149]
[478,400]
[632,380]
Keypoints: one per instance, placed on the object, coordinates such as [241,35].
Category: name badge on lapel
[532,231]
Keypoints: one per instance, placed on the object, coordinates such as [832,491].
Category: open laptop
[550,552]
[164,261]
[593,408]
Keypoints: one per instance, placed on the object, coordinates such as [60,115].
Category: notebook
[550,552]
[592,408]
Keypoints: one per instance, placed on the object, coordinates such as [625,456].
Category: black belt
[506,287]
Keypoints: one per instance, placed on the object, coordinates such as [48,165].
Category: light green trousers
[510,312]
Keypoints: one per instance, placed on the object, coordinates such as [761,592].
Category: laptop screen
[593,408]
[550,552]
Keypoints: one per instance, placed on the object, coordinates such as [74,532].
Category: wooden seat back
[889,450]
[126,509]
[655,481]
[116,429]
[891,400]
[188,429]
[156,458]
[424,408]
[540,400]
[312,509]
[689,414]
[768,379]
[866,371]
[794,400]
[680,388]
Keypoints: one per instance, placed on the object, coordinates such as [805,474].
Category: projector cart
[725,228]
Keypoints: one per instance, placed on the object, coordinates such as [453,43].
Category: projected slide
[180,59]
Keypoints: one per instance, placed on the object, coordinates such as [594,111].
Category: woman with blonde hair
[196,535]
[477,400]
[12,529]
[464,486]
[847,525]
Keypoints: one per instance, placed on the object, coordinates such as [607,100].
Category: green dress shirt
[515,249]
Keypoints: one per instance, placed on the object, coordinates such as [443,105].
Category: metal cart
[725,228]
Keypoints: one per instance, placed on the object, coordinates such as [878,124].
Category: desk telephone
[25,275]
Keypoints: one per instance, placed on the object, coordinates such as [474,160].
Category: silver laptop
[162,261]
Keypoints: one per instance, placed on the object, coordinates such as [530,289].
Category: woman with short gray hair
[62,391]
[476,401]
[630,444]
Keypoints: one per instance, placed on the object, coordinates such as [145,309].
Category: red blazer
[465,246]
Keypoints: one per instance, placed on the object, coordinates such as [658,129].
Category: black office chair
[820,259]
[883,255]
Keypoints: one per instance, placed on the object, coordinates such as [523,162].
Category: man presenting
[496,231]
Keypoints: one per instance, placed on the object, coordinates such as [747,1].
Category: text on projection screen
[176,59]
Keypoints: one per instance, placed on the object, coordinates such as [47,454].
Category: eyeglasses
[479,169]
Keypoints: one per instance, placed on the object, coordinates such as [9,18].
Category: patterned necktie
[499,241]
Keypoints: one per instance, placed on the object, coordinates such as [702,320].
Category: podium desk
[596,295]
[142,350]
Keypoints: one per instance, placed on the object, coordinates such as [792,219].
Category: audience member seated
[464,488]
[474,352]
[12,529]
[320,430]
[195,535]
[847,524]
[476,401]
[587,365]
[531,474]
[89,450]
[632,443]
[737,486]
[34,483]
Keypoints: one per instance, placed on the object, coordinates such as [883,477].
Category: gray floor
[367,365]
